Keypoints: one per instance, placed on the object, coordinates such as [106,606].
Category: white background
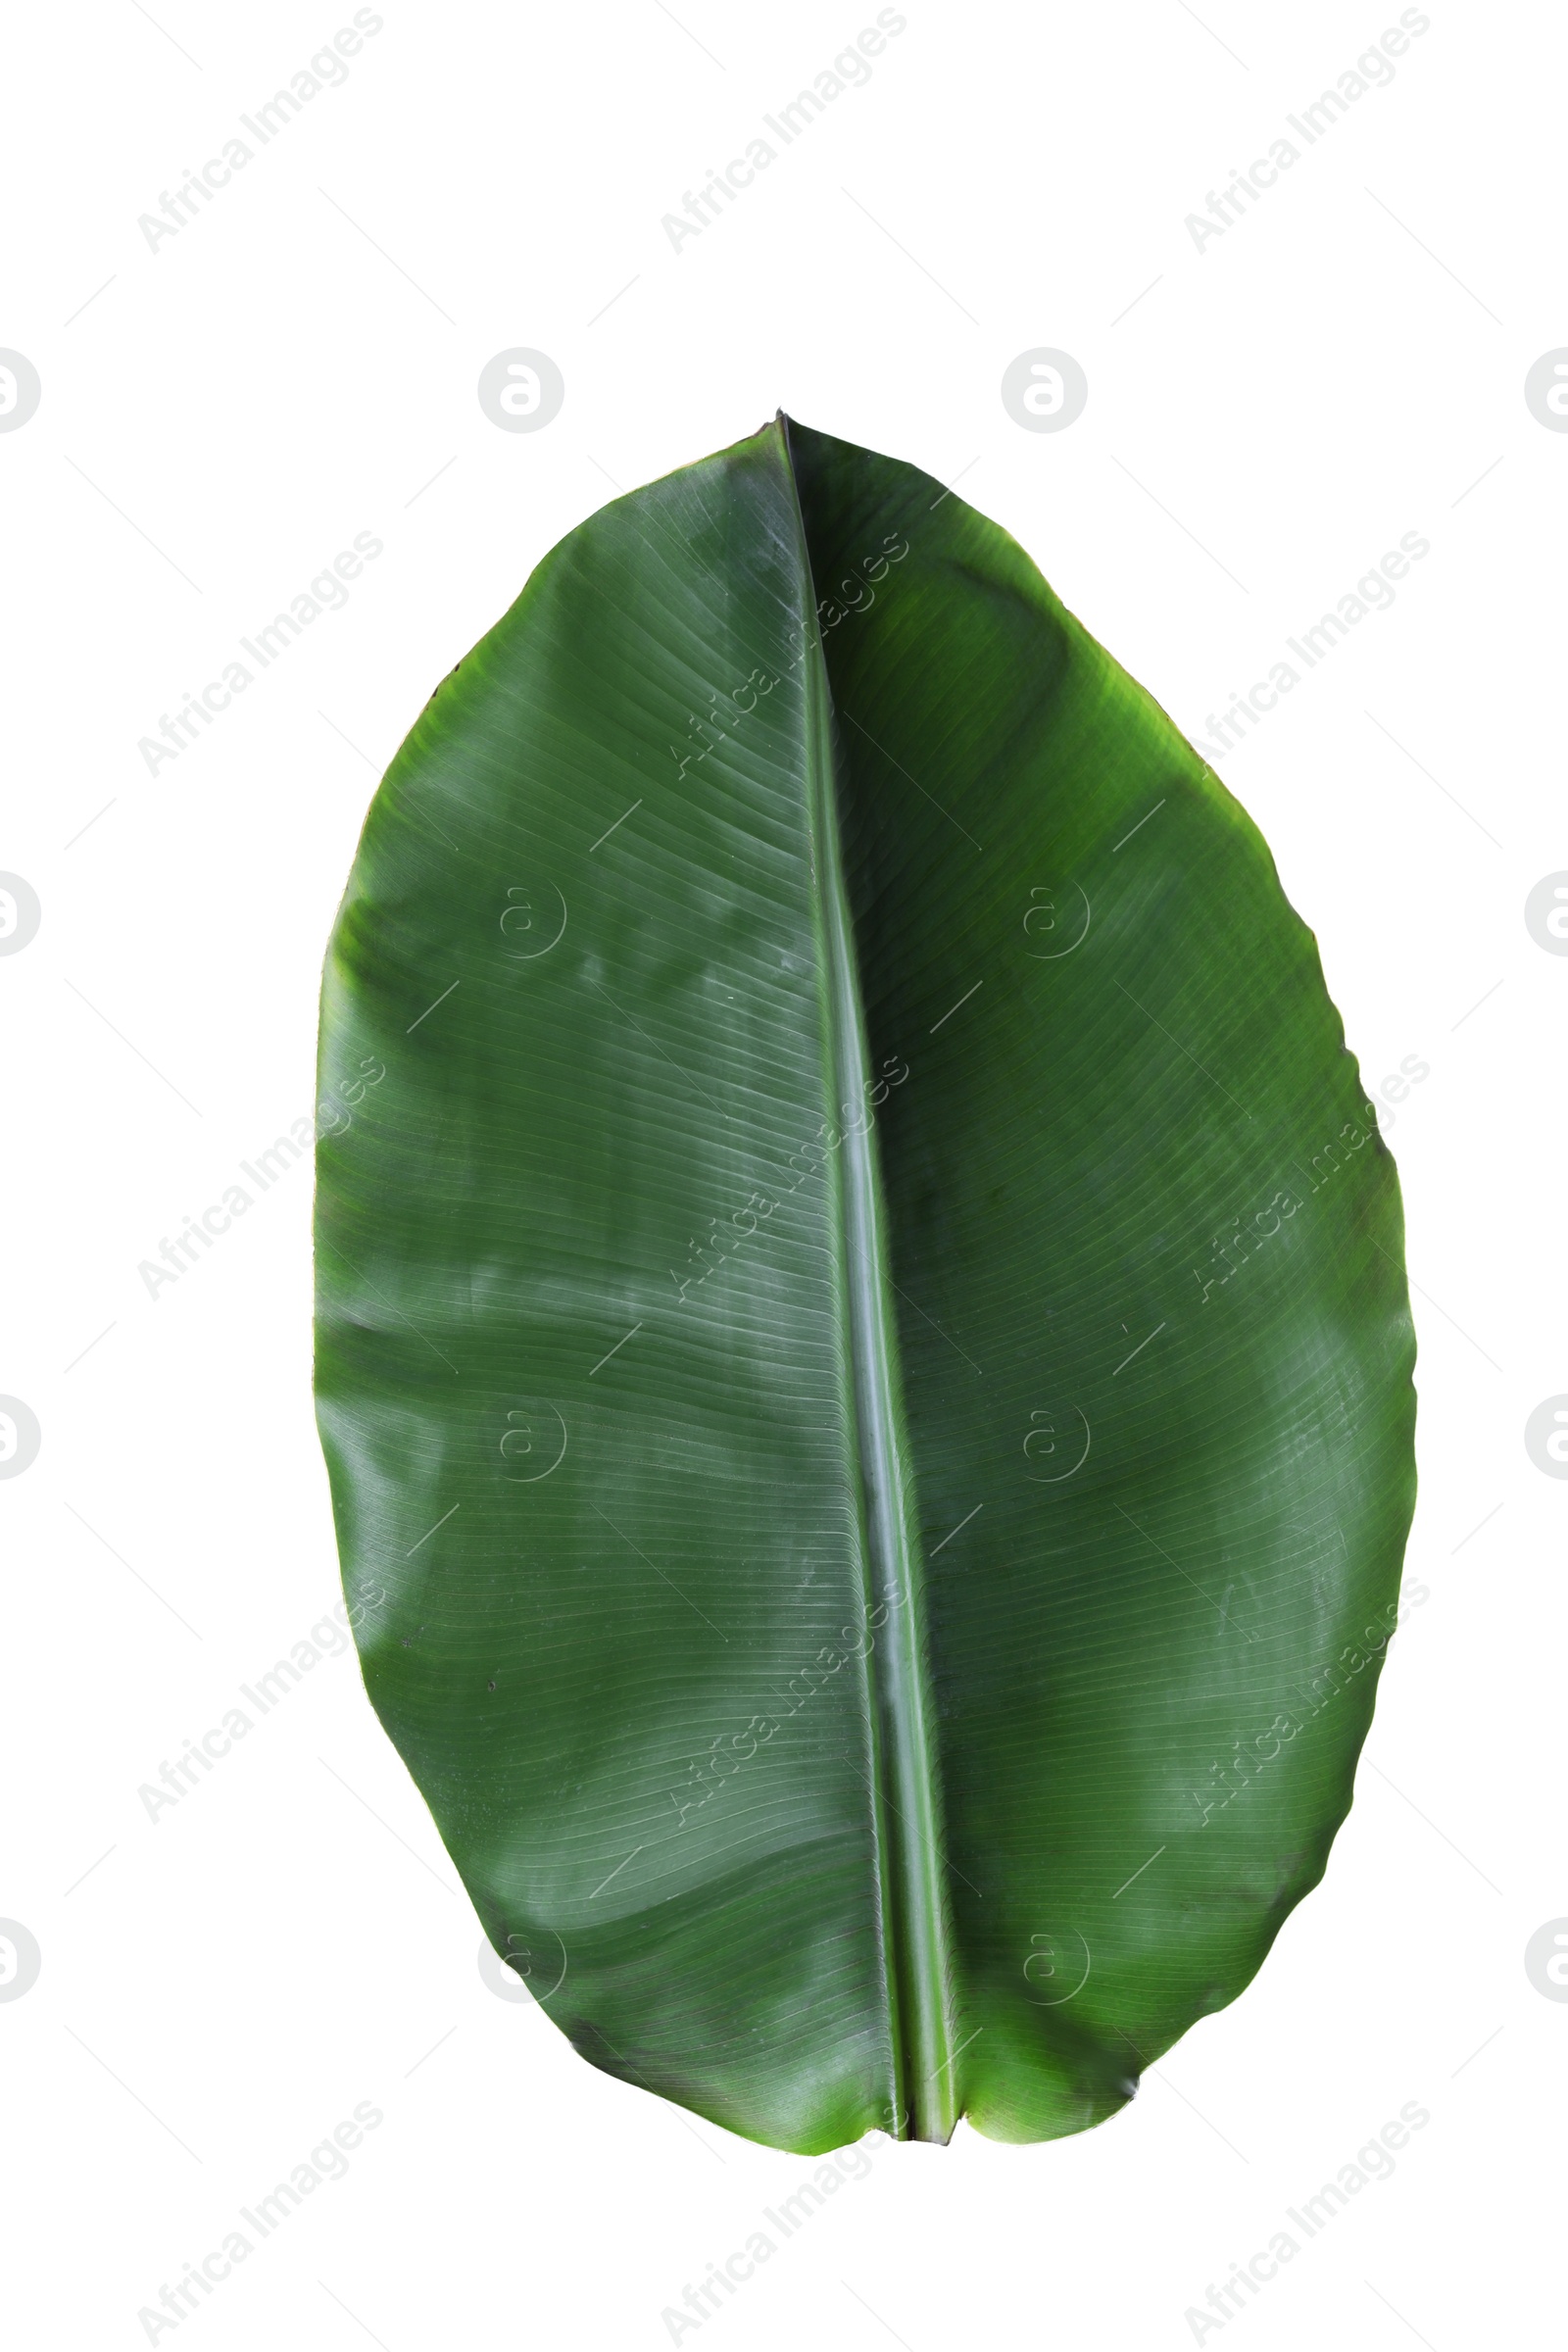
[298,365]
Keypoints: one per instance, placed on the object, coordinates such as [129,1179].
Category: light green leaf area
[862,1351]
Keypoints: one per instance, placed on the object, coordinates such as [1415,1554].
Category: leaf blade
[1053,1652]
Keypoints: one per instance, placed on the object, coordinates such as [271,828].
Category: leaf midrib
[905,1795]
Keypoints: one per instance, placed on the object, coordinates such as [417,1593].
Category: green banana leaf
[863,1349]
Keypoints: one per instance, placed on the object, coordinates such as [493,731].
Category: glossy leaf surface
[862,1350]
